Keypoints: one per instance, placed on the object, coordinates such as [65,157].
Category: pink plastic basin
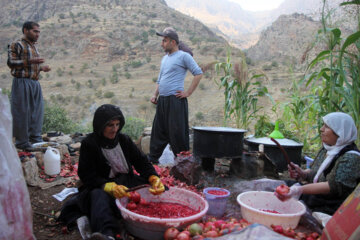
[150,228]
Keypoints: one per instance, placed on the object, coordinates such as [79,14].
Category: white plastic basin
[253,202]
[150,228]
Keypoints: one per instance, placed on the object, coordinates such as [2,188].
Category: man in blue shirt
[171,119]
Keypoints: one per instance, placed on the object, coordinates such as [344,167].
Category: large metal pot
[292,148]
[218,142]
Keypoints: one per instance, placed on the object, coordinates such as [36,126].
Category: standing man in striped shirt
[27,106]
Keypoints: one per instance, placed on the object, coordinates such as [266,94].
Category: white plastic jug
[52,161]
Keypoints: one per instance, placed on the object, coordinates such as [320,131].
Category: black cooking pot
[218,142]
[292,148]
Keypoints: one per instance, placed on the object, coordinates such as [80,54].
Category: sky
[258,5]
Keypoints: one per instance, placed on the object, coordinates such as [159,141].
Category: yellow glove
[117,191]
[156,185]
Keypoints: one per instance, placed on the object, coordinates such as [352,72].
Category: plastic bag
[15,208]
[167,157]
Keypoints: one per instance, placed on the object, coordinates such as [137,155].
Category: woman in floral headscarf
[335,171]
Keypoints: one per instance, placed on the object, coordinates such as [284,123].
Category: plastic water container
[217,203]
[309,161]
[52,161]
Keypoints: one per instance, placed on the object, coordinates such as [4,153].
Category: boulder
[186,169]
[31,172]
[145,144]
[63,150]
[76,146]
[66,139]
[39,158]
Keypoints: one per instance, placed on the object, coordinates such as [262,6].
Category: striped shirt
[19,54]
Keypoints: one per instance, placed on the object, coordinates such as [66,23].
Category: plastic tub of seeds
[265,208]
[152,228]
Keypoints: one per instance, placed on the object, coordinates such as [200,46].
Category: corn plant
[240,91]
[339,88]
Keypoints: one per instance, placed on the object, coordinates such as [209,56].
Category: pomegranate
[171,233]
[183,236]
[277,228]
[282,189]
[195,229]
[211,233]
[135,197]
[131,206]
[144,202]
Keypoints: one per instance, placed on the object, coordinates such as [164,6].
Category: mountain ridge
[106,51]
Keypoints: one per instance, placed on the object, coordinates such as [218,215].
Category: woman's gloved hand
[295,192]
[156,185]
[117,191]
[296,172]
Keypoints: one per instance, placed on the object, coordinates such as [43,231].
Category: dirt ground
[45,207]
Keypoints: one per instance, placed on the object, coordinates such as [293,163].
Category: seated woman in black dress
[106,162]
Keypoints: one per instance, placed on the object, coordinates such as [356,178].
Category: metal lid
[220,129]
[267,141]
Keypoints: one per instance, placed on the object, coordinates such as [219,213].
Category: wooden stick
[282,150]
[137,187]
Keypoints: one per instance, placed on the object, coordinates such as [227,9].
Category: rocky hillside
[106,51]
[242,28]
[286,40]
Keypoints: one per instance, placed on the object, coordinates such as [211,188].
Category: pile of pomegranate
[216,228]
[202,230]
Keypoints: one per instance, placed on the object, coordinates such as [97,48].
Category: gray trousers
[171,125]
[27,108]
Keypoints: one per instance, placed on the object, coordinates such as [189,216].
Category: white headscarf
[344,127]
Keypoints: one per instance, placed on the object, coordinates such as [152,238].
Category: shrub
[59,72]
[274,64]
[202,86]
[266,67]
[90,83]
[7,92]
[103,81]
[133,127]
[78,86]
[136,64]
[58,84]
[199,116]
[56,119]
[127,75]
[109,94]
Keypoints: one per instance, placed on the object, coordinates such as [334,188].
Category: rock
[145,144]
[63,150]
[186,169]
[39,158]
[31,172]
[253,165]
[191,141]
[66,139]
[147,131]
[222,165]
[76,146]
